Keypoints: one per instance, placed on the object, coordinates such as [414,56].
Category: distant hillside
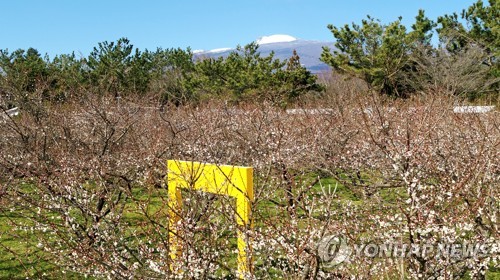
[283,46]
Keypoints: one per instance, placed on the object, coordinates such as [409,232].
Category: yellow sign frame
[233,181]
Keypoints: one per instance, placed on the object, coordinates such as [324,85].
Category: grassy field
[22,258]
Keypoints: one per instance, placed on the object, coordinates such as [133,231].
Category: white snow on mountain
[219,50]
[214,51]
[278,38]
[282,46]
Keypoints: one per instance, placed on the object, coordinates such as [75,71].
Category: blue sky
[64,26]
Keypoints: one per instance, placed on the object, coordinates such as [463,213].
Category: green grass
[20,258]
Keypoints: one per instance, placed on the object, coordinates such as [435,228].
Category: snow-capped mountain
[278,38]
[283,46]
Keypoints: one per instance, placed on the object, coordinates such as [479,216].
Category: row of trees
[397,61]
[117,69]
[82,189]
[390,58]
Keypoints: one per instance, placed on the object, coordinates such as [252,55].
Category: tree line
[398,61]
[390,58]
[172,75]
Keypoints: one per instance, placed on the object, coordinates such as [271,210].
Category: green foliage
[377,53]
[246,75]
[25,80]
[118,69]
[23,69]
[391,58]
[67,76]
[297,80]
[481,29]
[109,65]
[170,69]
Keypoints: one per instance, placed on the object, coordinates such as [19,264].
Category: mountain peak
[282,47]
[277,38]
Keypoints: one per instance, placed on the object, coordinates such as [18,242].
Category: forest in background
[390,59]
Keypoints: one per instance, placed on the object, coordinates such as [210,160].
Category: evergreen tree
[297,80]
[379,54]
[109,64]
[23,70]
[481,30]
[246,75]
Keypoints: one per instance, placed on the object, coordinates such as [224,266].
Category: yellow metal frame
[234,181]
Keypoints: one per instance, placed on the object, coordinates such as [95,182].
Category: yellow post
[174,208]
[234,181]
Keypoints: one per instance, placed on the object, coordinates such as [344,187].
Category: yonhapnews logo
[334,250]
